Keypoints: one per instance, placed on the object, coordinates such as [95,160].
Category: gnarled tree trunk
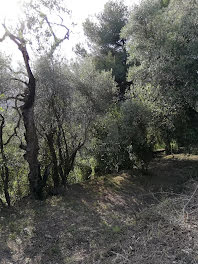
[31,154]
[27,109]
[55,170]
[4,171]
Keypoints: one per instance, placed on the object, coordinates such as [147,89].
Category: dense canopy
[131,91]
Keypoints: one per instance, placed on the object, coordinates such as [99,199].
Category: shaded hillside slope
[113,219]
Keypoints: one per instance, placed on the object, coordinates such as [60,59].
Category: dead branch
[3,38]
[50,28]
[19,80]
[16,98]
[57,41]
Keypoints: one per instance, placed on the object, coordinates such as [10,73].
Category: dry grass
[113,219]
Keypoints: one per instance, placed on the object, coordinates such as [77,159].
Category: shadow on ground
[111,219]
[80,226]
[170,172]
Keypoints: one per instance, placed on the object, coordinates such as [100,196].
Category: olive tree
[69,101]
[162,44]
[35,25]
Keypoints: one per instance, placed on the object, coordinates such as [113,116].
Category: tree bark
[31,154]
[4,169]
[168,147]
[27,109]
[32,147]
[61,161]
[55,171]
[5,179]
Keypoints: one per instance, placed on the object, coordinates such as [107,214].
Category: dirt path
[170,172]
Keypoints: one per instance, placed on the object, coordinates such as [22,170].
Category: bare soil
[121,218]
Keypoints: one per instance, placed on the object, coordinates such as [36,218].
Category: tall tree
[67,105]
[35,25]
[163,45]
[108,47]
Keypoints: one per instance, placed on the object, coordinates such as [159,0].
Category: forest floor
[121,218]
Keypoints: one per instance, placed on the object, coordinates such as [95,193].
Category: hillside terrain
[121,218]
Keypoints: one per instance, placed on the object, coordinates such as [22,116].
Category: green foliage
[82,172]
[104,35]
[70,99]
[165,3]
[80,51]
[98,88]
[43,24]
[84,167]
[162,43]
[18,182]
[116,229]
[83,128]
[123,138]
